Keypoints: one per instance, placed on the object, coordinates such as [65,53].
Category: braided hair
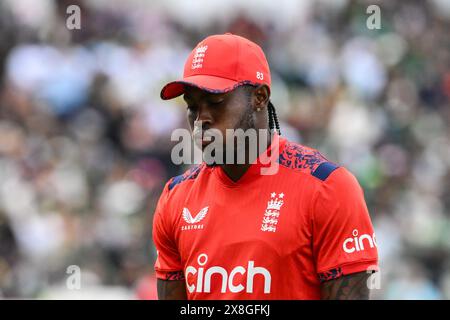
[274,125]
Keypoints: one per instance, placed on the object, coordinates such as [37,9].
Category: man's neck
[236,171]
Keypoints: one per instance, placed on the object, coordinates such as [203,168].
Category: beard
[245,122]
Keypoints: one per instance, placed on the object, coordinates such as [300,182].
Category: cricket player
[232,231]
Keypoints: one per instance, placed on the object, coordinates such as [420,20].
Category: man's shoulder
[190,174]
[301,158]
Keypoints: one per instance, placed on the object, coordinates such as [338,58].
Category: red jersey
[265,236]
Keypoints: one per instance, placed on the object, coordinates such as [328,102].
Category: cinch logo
[204,277]
[356,243]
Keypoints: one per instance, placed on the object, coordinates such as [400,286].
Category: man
[230,231]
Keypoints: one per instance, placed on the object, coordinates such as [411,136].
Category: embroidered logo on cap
[197,61]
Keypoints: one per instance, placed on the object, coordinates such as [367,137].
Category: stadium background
[85,140]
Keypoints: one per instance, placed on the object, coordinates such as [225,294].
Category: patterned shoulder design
[298,157]
[330,275]
[191,173]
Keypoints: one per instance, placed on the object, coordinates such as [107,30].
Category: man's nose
[204,116]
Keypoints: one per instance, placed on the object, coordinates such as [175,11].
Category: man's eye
[216,102]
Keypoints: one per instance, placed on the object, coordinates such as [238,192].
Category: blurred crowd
[85,139]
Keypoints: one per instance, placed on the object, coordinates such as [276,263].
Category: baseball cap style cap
[219,64]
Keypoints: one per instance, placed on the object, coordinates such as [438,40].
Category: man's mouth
[202,141]
[202,137]
[199,138]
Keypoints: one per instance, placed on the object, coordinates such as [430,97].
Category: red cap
[220,63]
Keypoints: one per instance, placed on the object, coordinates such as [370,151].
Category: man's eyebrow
[216,94]
[205,95]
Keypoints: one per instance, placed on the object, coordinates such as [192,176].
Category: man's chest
[270,223]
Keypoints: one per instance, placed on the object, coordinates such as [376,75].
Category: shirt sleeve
[168,262]
[343,236]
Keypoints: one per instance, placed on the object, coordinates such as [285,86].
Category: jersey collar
[256,169]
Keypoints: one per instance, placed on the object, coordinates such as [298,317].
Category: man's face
[219,111]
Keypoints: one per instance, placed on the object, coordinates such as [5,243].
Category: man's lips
[203,137]
[204,143]
[202,140]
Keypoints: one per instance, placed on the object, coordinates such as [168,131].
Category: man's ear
[260,97]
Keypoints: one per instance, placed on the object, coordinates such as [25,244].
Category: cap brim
[208,83]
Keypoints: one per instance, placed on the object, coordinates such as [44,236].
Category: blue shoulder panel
[189,174]
[324,170]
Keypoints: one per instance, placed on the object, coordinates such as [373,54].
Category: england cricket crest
[272,213]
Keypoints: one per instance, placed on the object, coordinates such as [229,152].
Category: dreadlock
[274,125]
